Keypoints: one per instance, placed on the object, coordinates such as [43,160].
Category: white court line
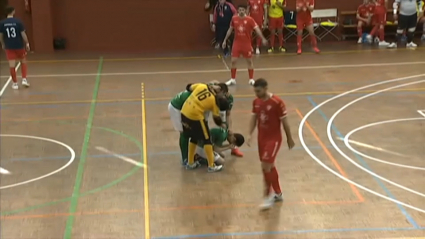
[224,63]
[71,159]
[422,112]
[9,80]
[4,171]
[315,158]
[126,159]
[368,146]
[347,142]
[329,132]
[290,68]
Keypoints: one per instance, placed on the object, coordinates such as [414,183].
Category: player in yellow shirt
[276,21]
[203,98]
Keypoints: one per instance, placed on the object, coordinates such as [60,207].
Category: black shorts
[407,22]
[197,130]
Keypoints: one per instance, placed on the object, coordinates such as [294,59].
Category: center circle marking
[347,142]
[71,159]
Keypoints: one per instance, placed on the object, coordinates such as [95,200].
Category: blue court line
[155,102]
[363,162]
[129,155]
[291,232]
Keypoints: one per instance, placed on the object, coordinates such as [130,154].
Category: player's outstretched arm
[288,134]
[260,34]
[252,123]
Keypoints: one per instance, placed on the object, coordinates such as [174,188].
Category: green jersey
[230,100]
[218,137]
[178,100]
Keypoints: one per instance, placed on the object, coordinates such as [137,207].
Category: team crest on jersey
[263,117]
[244,22]
[269,107]
[241,29]
[225,7]
[255,7]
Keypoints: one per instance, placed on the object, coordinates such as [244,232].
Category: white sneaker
[251,81]
[25,82]
[231,82]
[270,200]
[360,41]
[411,45]
[423,37]
[15,86]
[377,40]
[384,44]
[215,168]
[257,51]
[393,45]
[193,166]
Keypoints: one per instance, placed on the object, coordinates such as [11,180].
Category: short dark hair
[222,103]
[9,10]
[242,6]
[260,82]
[224,87]
[239,140]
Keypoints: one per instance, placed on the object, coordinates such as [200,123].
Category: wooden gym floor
[92,154]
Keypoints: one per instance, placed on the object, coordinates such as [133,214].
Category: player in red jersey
[15,42]
[242,44]
[379,21]
[305,21]
[257,10]
[364,17]
[422,19]
[269,112]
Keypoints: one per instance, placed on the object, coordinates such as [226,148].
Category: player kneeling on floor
[218,137]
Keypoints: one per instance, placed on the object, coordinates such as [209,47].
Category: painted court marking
[422,112]
[3,89]
[368,146]
[4,171]
[331,140]
[307,149]
[126,159]
[71,159]
[290,68]
[347,142]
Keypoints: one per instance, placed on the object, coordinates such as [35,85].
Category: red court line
[328,153]
[184,208]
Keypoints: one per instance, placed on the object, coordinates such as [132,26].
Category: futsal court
[92,153]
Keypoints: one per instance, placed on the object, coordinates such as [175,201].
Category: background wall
[130,25]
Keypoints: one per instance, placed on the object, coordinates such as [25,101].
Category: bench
[327,21]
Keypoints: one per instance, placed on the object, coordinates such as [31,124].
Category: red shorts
[380,19]
[16,54]
[276,22]
[303,23]
[268,150]
[245,52]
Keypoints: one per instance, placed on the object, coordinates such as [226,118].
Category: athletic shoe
[15,86]
[411,45]
[231,82]
[360,41]
[257,51]
[282,49]
[236,152]
[251,81]
[215,168]
[270,200]
[25,82]
[270,50]
[384,44]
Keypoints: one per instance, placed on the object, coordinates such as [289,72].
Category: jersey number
[11,32]
[203,95]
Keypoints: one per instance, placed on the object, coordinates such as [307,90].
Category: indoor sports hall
[92,153]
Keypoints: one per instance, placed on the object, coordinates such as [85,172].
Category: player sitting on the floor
[218,137]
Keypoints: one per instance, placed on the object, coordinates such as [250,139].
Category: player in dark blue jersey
[15,42]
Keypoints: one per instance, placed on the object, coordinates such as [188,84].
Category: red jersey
[256,8]
[381,6]
[364,10]
[301,4]
[269,115]
[243,30]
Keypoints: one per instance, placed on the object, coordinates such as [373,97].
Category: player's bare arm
[221,149]
[361,18]
[252,124]
[310,7]
[229,32]
[2,40]
[260,34]
[288,134]
[266,19]
[25,38]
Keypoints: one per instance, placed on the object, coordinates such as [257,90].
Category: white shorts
[201,152]
[176,118]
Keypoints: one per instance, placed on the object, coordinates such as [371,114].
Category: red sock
[360,31]
[374,29]
[267,184]
[13,74]
[280,36]
[258,42]
[274,179]
[299,41]
[24,70]
[233,73]
[272,37]
[381,33]
[251,73]
[313,40]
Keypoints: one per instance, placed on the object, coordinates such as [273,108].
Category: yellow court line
[206,57]
[145,169]
[236,96]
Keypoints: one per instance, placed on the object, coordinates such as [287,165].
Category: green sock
[184,144]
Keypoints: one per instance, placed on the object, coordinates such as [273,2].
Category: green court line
[80,171]
[113,183]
